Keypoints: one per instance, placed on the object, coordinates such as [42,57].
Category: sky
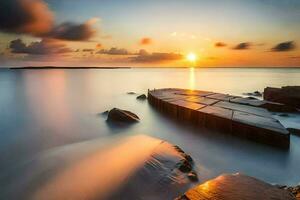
[150,33]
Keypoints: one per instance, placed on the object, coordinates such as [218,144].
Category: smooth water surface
[42,110]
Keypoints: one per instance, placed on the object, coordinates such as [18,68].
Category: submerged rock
[141,97]
[255,94]
[131,93]
[236,187]
[123,116]
[289,95]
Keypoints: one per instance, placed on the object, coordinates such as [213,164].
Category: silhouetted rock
[255,94]
[131,93]
[141,97]
[289,95]
[123,116]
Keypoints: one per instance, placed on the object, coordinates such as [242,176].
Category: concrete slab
[248,121]
[248,101]
[222,97]
[244,108]
[260,129]
[202,100]
[217,118]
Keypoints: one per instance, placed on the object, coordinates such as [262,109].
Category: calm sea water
[41,110]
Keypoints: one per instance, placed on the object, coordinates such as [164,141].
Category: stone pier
[244,117]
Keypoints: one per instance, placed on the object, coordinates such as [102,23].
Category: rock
[185,166]
[141,97]
[236,187]
[123,116]
[289,95]
[193,176]
[255,94]
[131,93]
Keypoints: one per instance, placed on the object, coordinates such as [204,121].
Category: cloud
[146,41]
[72,32]
[25,16]
[144,56]
[33,17]
[284,46]
[43,47]
[88,50]
[242,46]
[220,44]
[98,46]
[114,51]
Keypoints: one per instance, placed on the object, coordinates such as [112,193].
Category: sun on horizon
[192,57]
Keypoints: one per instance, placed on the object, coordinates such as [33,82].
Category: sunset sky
[152,33]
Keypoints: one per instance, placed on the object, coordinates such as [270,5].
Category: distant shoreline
[53,67]
[57,67]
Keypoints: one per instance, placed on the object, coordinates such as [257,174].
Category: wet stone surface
[236,187]
[244,117]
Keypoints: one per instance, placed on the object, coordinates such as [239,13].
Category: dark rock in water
[131,93]
[236,187]
[289,95]
[141,97]
[185,166]
[255,94]
[294,131]
[193,176]
[123,116]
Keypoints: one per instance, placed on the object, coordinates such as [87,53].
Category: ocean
[49,109]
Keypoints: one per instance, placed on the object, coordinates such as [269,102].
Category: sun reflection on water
[192,81]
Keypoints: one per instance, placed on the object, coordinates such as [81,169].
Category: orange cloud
[25,16]
[156,57]
[220,44]
[98,46]
[33,17]
[146,41]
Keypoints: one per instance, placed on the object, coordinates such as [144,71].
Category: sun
[192,57]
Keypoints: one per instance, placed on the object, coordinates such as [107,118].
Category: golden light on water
[192,78]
